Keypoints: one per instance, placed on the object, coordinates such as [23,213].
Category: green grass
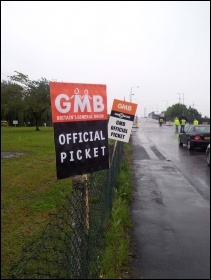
[31,191]
[29,188]
[116,254]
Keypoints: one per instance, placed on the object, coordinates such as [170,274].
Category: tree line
[28,102]
[179,110]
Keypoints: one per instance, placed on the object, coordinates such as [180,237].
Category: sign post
[15,122]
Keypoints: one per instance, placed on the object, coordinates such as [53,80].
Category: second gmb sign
[121,120]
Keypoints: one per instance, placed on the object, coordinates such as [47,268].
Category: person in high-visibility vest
[176,123]
[161,120]
[182,122]
[195,122]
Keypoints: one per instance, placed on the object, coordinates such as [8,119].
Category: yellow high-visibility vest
[176,122]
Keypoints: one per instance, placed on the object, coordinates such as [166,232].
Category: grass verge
[116,254]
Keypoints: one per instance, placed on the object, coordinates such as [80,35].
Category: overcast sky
[163,47]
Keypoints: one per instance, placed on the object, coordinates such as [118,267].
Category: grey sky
[161,46]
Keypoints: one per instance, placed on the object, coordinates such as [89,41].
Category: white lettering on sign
[79,137]
[63,157]
[125,107]
[87,153]
[121,115]
[81,103]
[59,102]
[79,157]
[82,154]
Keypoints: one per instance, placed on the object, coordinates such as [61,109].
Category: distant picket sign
[121,120]
[79,113]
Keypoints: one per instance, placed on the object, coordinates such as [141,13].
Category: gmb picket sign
[121,120]
[80,121]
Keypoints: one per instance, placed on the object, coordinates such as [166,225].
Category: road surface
[171,206]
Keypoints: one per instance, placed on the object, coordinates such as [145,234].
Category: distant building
[153,115]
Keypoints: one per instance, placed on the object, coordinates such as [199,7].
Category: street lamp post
[183,97]
[131,93]
[182,100]
[166,104]
[180,97]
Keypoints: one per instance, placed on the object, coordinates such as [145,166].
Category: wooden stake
[115,144]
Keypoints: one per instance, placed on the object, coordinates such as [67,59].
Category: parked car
[195,136]
[208,154]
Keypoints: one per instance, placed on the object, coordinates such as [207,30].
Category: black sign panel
[81,147]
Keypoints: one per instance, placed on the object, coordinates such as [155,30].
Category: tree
[36,95]
[12,100]
[193,113]
[178,110]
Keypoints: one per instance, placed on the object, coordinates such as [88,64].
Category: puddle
[10,155]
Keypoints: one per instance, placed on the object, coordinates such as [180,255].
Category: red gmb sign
[72,102]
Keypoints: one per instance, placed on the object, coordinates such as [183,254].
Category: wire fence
[70,246]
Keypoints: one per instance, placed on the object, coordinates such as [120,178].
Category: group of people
[179,121]
[182,123]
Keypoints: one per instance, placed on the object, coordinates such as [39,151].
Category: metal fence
[70,246]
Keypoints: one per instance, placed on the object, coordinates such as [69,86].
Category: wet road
[171,206]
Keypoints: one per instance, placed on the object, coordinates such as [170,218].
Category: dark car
[208,154]
[195,136]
